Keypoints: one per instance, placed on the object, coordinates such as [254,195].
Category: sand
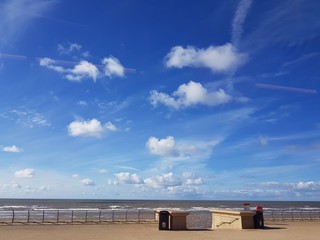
[275,230]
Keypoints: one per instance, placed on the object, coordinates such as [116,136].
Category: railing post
[139,215]
[28,219]
[58,213]
[72,216]
[42,216]
[12,216]
[86,216]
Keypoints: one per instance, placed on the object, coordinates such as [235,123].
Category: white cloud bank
[25,173]
[190,94]
[217,58]
[84,69]
[90,128]
[13,149]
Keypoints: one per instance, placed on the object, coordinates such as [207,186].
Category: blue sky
[160,99]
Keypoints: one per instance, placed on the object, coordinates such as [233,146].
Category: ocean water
[189,205]
[51,210]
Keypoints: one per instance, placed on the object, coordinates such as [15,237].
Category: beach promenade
[284,230]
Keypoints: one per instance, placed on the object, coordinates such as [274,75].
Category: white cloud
[110,126]
[217,58]
[194,181]
[25,173]
[307,185]
[82,70]
[113,67]
[87,182]
[162,147]
[128,178]
[191,179]
[190,94]
[163,181]
[13,149]
[170,150]
[90,128]
[51,64]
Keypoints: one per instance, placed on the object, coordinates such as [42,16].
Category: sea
[199,218]
[188,205]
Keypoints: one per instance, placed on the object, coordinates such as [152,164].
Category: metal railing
[292,214]
[75,216]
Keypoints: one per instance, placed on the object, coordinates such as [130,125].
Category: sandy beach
[274,230]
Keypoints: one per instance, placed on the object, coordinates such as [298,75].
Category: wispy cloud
[15,15]
[238,21]
[26,117]
[300,59]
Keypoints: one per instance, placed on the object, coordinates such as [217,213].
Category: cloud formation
[25,173]
[163,147]
[90,128]
[113,67]
[169,149]
[190,94]
[13,149]
[217,58]
[163,181]
[87,182]
[84,69]
[126,177]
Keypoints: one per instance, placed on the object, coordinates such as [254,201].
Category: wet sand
[274,230]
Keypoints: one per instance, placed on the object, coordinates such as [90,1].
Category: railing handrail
[64,216]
